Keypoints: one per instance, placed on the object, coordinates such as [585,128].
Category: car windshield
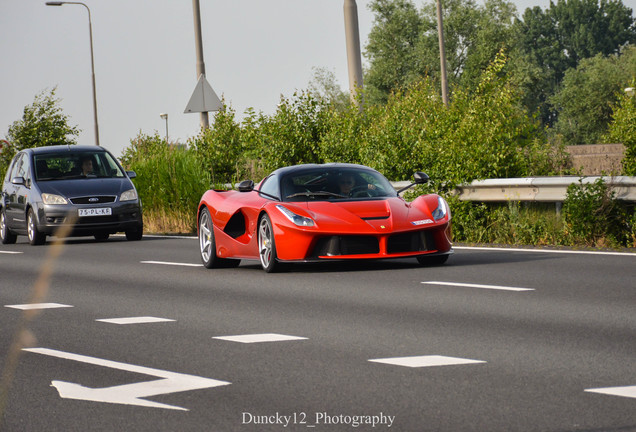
[75,165]
[331,183]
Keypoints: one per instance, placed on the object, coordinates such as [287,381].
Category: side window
[21,168]
[271,187]
[27,170]
[14,163]
[18,166]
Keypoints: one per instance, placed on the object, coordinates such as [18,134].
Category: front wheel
[35,236]
[207,245]
[6,235]
[267,245]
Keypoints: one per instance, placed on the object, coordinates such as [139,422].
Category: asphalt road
[533,341]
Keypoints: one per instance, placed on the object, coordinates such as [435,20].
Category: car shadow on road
[458,259]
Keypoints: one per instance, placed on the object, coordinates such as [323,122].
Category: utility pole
[354,58]
[442,53]
[205,122]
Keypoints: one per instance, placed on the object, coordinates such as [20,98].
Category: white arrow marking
[127,394]
[627,391]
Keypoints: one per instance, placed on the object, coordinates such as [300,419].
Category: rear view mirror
[18,180]
[131,174]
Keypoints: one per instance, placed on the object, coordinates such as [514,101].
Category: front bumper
[124,216]
[301,245]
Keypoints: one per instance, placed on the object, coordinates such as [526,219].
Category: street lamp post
[165,117]
[90,32]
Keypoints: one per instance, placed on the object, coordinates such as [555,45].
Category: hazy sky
[145,61]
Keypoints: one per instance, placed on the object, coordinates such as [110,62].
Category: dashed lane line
[172,263]
[426,361]
[36,306]
[134,320]
[480,286]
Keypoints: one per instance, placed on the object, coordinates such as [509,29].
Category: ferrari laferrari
[309,213]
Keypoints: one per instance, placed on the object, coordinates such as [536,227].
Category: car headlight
[53,199]
[129,195]
[296,219]
[442,209]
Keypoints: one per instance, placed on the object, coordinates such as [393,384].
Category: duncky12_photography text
[317,419]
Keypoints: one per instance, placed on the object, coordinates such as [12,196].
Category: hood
[379,215]
[86,186]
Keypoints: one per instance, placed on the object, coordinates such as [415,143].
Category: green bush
[507,223]
[593,216]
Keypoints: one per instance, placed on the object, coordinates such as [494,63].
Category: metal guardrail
[537,189]
[541,189]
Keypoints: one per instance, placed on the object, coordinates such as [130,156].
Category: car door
[17,193]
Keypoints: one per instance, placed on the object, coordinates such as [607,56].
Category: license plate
[101,211]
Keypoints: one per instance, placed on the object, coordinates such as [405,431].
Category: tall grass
[170,181]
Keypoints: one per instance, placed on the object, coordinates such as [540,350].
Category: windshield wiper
[319,193]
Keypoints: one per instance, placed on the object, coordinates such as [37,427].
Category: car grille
[93,199]
[410,242]
[347,245]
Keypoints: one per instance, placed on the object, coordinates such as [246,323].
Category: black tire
[207,244]
[432,261]
[101,237]
[135,234]
[36,237]
[6,236]
[267,245]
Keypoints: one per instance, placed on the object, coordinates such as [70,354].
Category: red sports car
[307,213]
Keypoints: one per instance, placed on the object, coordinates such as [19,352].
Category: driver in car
[347,183]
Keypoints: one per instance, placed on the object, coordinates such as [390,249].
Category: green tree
[43,123]
[587,95]
[473,35]
[482,134]
[622,129]
[391,48]
[551,41]
[324,86]
[403,46]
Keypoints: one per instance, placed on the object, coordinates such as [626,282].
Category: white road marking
[554,251]
[134,320]
[171,263]
[426,361]
[256,338]
[127,394]
[34,306]
[627,391]
[467,285]
[10,252]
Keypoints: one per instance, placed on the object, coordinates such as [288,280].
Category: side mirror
[246,186]
[18,180]
[420,177]
[131,174]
